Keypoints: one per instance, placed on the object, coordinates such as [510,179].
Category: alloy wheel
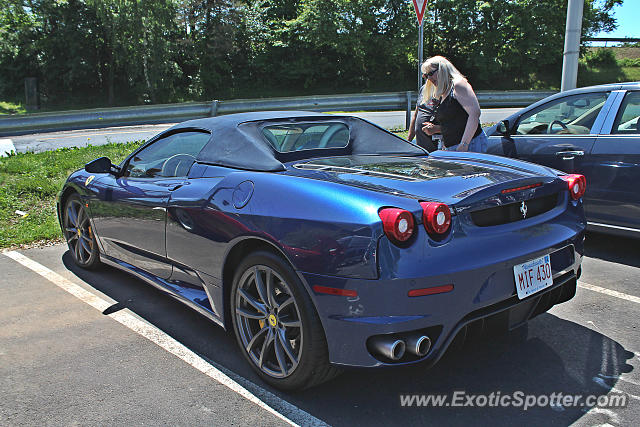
[268,321]
[78,233]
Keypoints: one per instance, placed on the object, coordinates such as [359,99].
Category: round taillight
[577,185]
[436,217]
[397,223]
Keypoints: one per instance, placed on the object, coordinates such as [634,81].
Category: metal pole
[409,109]
[572,45]
[420,37]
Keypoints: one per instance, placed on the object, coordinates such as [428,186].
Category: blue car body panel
[321,214]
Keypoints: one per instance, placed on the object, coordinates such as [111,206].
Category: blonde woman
[457,112]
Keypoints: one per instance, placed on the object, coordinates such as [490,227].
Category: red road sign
[420,6]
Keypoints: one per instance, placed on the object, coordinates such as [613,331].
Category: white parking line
[609,292]
[6,146]
[172,346]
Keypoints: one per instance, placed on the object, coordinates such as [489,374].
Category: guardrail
[164,113]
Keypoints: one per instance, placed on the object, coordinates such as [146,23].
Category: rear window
[286,138]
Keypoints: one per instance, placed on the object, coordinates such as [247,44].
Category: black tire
[282,338]
[79,235]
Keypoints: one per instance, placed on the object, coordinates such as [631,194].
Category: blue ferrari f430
[324,241]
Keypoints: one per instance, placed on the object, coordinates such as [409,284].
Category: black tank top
[453,119]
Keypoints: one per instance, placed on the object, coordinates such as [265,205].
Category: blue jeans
[478,144]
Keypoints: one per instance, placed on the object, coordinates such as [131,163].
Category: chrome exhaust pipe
[419,345]
[388,347]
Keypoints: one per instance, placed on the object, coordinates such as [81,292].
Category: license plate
[533,276]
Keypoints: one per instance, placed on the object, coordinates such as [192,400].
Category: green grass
[595,75]
[632,74]
[30,182]
[11,108]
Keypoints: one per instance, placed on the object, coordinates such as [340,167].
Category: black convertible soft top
[237,140]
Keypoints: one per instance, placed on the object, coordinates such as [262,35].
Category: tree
[521,41]
[349,43]
[135,47]
[146,51]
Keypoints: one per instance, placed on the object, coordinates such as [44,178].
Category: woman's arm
[431,129]
[468,100]
[412,126]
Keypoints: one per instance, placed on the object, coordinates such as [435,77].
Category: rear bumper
[509,314]
[483,296]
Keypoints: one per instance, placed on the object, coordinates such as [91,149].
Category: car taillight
[436,217]
[577,185]
[398,224]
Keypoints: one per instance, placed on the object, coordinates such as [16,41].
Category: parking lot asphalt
[103,348]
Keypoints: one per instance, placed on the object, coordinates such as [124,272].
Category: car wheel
[79,235]
[276,324]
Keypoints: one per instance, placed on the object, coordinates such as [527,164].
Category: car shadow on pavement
[618,249]
[549,355]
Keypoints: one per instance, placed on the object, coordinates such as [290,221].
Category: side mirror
[101,165]
[503,128]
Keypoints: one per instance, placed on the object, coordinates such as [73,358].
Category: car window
[300,136]
[170,156]
[573,115]
[628,118]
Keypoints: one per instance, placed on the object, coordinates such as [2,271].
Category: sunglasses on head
[430,73]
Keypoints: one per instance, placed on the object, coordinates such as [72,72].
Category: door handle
[175,187]
[569,155]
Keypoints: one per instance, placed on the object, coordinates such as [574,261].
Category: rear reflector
[430,291]
[335,291]
[526,187]
[577,185]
